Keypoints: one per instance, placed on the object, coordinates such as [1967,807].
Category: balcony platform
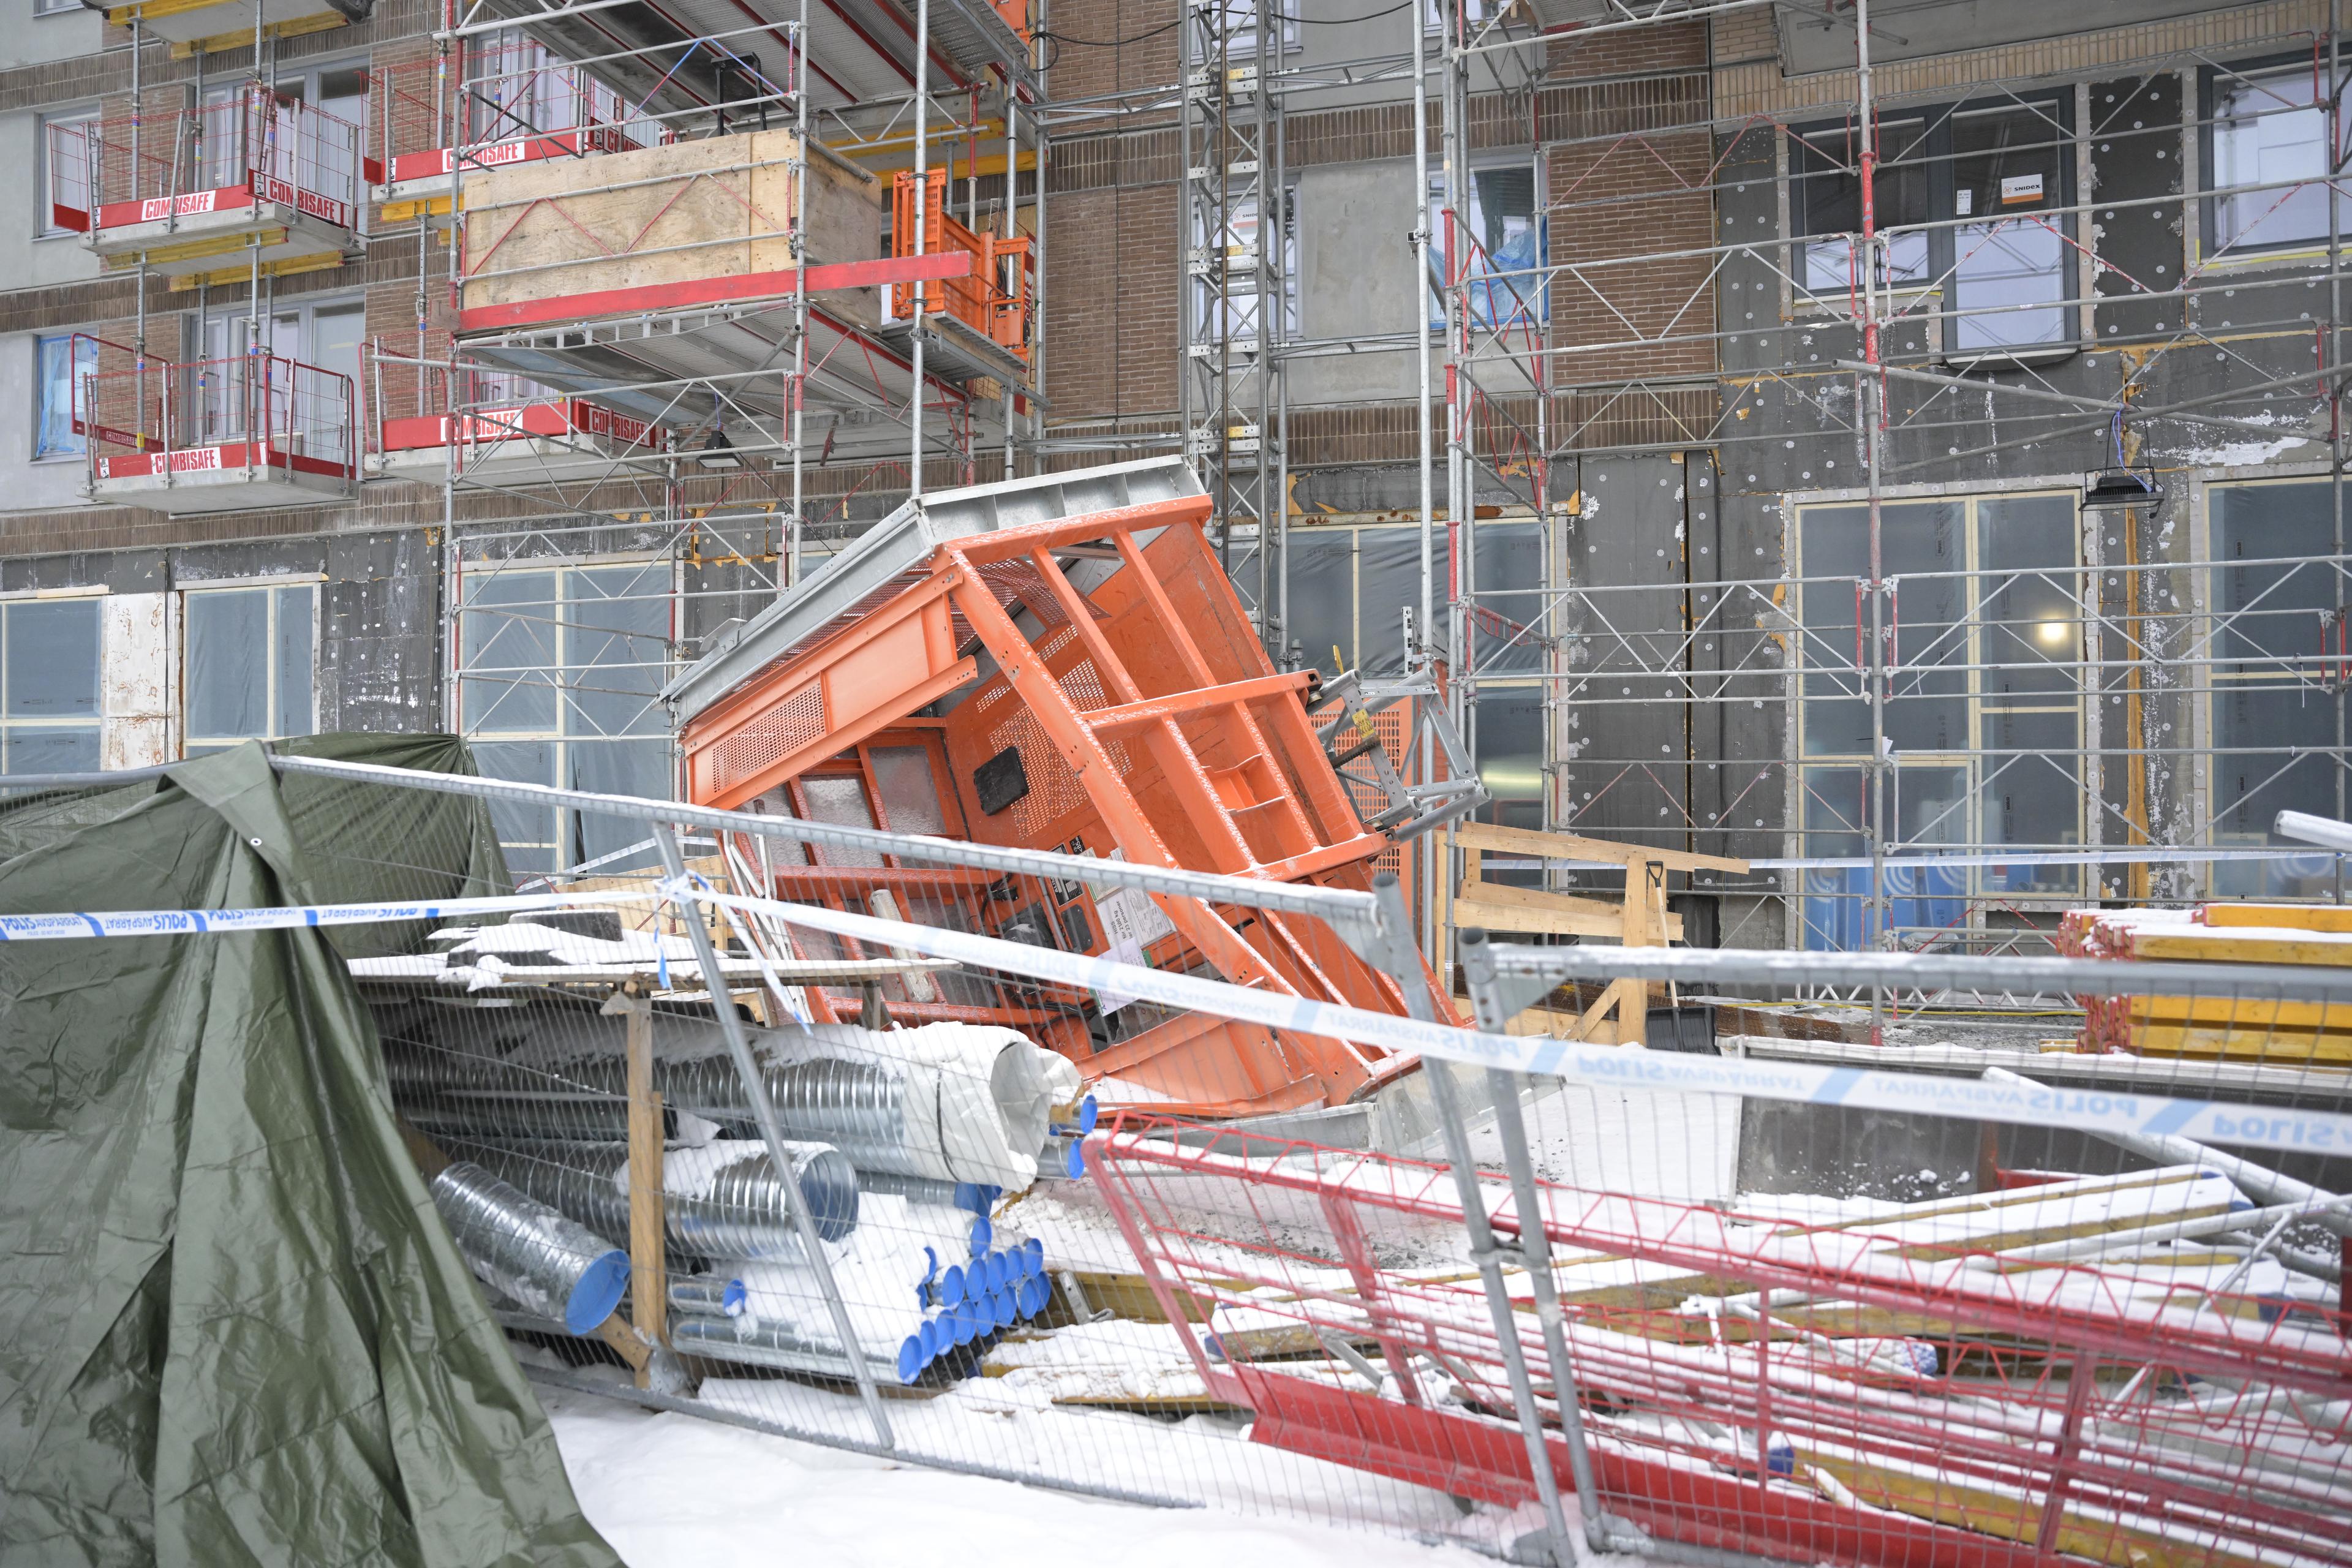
[233,476]
[201,231]
[566,440]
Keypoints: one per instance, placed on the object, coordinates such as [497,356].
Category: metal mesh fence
[2002,1289]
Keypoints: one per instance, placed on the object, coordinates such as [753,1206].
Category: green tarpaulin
[232,1328]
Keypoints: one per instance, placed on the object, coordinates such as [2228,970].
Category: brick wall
[1083,70]
[1110,303]
[1648,192]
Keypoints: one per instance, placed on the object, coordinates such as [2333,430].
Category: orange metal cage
[994,300]
[1089,684]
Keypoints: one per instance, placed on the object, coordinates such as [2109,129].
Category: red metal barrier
[1822,1392]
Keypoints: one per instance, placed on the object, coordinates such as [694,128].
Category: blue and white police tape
[187,923]
[1615,1066]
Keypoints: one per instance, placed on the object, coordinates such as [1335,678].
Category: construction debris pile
[506,1060]
[2111,1368]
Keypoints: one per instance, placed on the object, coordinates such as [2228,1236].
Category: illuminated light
[2051,633]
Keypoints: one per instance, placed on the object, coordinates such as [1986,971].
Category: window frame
[487,689]
[2209,78]
[44,228]
[2250,671]
[1981,708]
[80,451]
[56,8]
[96,720]
[1942,228]
[1438,257]
[271,587]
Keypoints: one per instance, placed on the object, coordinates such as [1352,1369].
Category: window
[55,7]
[1497,242]
[2274,727]
[48,686]
[49,180]
[64,361]
[560,684]
[1825,198]
[1240,317]
[2264,134]
[1984,720]
[1435,13]
[248,674]
[1239,32]
[326,334]
[1971,200]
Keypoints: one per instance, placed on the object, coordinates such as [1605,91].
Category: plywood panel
[702,209]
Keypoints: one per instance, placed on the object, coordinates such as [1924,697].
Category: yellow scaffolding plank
[2294,917]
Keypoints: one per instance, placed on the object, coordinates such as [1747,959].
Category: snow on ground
[674,1491]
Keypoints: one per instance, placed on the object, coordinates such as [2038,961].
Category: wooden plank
[2223,947]
[648,1262]
[2252,1043]
[1573,847]
[2292,916]
[2236,1012]
[1493,899]
[1503,916]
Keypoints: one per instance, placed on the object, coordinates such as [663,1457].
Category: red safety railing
[498,103]
[143,416]
[994,300]
[247,146]
[411,405]
[1815,1390]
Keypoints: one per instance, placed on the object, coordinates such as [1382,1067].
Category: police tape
[187,923]
[2023,1104]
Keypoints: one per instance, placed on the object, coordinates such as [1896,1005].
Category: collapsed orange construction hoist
[1059,663]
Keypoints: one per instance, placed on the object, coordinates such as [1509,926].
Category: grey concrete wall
[1356,275]
[33,40]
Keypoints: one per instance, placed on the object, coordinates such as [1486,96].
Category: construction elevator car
[1059,663]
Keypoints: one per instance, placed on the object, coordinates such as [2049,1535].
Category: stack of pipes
[902,1209]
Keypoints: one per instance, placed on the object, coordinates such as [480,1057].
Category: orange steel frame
[1148,723]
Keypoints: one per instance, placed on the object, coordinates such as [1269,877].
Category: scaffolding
[1877,333]
[2117,719]
[625,474]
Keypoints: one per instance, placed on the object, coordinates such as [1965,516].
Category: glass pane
[508,637]
[2016,273]
[2031,620]
[1509,745]
[228,662]
[1921,550]
[1511,622]
[529,832]
[65,361]
[617,649]
[1826,199]
[50,664]
[1497,235]
[2270,547]
[50,749]
[2275,730]
[296,714]
[2268,132]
